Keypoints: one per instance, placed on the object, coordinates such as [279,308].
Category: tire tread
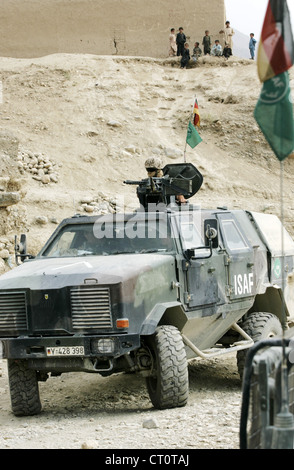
[24,390]
[172,388]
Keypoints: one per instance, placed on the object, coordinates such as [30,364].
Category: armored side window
[190,236]
[190,230]
[232,235]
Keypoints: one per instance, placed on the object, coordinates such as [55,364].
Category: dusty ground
[97,119]
[89,411]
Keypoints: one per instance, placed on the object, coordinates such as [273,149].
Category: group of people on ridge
[180,47]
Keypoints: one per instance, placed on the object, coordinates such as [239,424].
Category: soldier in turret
[154,166]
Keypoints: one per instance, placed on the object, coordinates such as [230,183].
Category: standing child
[252,43]
[172,43]
[206,42]
[185,57]
[229,33]
[180,40]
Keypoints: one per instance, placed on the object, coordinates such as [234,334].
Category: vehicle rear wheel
[24,389]
[259,326]
[168,386]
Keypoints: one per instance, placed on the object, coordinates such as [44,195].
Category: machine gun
[178,179]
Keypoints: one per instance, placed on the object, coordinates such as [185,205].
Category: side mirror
[20,249]
[211,239]
[211,233]
[22,246]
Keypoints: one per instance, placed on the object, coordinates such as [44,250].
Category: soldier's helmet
[154,162]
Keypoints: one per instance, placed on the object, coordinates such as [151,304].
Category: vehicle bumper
[112,346]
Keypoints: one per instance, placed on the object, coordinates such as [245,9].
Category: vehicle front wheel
[259,326]
[168,386]
[24,389]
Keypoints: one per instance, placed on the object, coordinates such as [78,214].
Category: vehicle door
[204,274]
[239,261]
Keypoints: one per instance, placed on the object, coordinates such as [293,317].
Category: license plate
[66,351]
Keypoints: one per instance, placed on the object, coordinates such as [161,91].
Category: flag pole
[185,161]
[282,236]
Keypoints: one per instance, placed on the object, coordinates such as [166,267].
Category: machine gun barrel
[142,182]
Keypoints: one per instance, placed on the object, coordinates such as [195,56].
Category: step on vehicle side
[144,292]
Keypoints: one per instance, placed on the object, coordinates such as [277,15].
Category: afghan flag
[276,49]
[274,115]
[196,119]
[274,109]
[193,138]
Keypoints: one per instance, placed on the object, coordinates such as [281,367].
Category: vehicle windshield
[109,238]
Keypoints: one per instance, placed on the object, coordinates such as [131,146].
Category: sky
[247,15]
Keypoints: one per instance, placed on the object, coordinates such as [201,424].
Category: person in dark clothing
[185,56]
[227,52]
[206,42]
[180,40]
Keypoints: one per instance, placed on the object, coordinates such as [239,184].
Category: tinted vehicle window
[111,238]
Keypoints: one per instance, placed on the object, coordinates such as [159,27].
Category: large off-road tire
[24,389]
[259,326]
[168,386]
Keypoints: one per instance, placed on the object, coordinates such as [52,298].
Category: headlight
[106,345]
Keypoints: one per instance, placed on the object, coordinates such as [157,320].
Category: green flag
[193,138]
[274,115]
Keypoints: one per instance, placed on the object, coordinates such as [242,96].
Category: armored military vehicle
[145,292]
[267,420]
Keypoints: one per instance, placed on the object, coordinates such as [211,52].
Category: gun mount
[178,179]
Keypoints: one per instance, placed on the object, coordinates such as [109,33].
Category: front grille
[90,307]
[13,313]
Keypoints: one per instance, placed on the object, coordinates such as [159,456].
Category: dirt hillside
[91,121]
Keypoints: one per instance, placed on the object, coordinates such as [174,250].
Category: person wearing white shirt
[217,49]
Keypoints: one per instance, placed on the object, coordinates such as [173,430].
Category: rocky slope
[85,123]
